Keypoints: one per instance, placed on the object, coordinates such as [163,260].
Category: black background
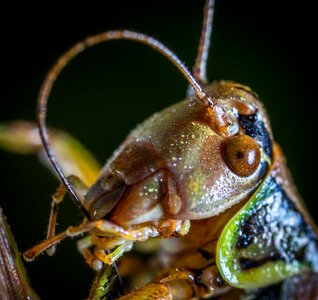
[106,91]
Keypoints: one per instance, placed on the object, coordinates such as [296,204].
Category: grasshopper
[204,175]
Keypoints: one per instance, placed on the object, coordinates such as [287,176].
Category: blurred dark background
[107,90]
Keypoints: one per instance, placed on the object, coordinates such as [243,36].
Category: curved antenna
[199,68]
[74,51]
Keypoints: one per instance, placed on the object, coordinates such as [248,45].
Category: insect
[247,91]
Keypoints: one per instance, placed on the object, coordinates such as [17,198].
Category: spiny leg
[57,198]
[144,232]
[102,226]
[36,250]
[164,229]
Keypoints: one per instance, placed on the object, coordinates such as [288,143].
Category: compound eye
[242,154]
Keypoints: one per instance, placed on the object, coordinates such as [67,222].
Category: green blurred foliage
[107,90]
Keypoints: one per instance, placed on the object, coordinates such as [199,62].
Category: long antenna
[200,65]
[74,51]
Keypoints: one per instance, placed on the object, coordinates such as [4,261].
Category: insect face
[196,173]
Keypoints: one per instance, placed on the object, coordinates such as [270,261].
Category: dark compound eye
[242,154]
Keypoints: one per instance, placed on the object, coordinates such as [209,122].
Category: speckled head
[175,163]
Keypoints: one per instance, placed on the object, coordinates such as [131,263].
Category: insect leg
[172,228]
[165,228]
[110,258]
[183,284]
[84,245]
[178,285]
[102,226]
[57,198]
[72,231]
[30,254]
[150,291]
[104,246]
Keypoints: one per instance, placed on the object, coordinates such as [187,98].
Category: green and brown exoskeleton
[203,181]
